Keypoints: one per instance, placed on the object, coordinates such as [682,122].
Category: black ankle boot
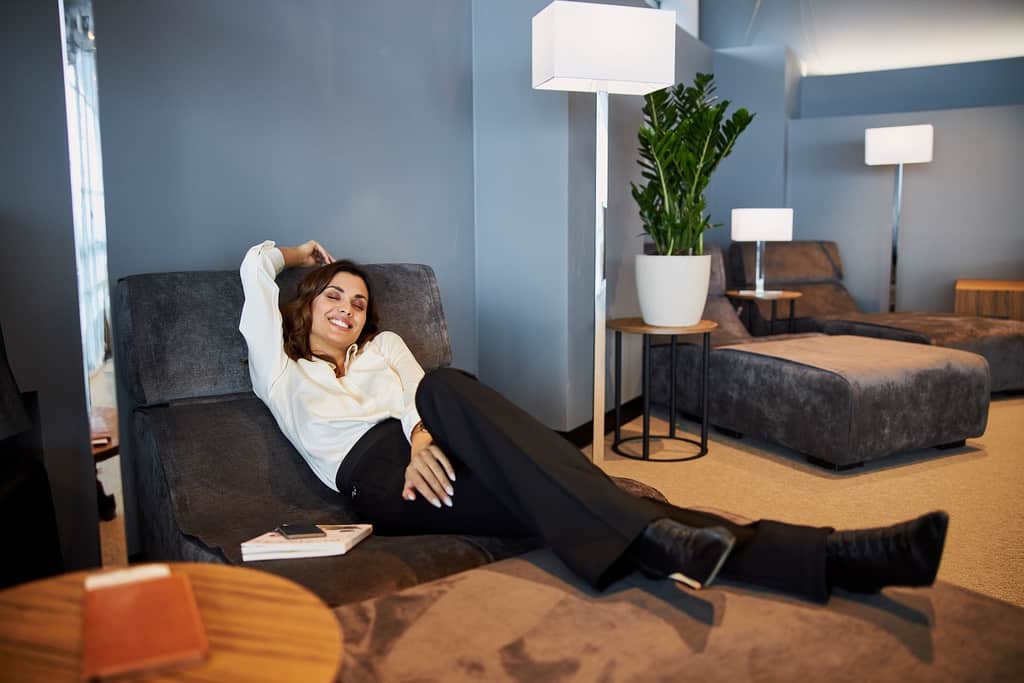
[906,554]
[671,549]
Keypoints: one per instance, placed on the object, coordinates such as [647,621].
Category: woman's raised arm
[261,317]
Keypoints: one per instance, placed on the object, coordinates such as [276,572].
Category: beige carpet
[980,485]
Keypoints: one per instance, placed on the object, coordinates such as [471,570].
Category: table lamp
[897,145]
[761,225]
[586,47]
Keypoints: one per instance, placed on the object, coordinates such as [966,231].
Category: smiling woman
[441,453]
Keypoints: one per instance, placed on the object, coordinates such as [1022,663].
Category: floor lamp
[897,145]
[585,47]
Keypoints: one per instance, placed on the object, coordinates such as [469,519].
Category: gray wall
[521,178]
[962,213]
[229,122]
[760,79]
[39,309]
[949,86]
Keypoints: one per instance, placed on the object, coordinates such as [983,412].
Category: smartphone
[300,531]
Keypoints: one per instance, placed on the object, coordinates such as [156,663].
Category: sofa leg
[952,444]
[833,466]
[725,431]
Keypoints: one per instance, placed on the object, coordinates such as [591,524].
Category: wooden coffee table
[261,627]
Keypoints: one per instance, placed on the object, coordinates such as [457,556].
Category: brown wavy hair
[297,313]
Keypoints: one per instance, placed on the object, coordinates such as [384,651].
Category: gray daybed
[816,270]
[213,469]
[838,400]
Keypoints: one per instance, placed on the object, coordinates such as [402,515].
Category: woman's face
[339,314]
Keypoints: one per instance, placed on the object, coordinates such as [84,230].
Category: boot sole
[698,585]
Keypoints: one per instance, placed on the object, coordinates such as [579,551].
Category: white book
[338,539]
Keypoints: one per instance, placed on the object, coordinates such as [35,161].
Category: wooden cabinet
[990,298]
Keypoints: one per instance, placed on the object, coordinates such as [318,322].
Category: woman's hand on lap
[430,474]
[310,253]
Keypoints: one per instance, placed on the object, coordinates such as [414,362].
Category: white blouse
[322,415]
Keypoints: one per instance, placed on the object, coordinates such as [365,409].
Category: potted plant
[685,135]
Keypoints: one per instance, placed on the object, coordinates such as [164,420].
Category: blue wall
[229,122]
[951,86]
[759,79]
[961,213]
[521,141]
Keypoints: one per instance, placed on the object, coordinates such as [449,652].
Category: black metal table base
[749,306]
[646,435]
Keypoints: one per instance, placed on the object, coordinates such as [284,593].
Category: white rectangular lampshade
[767,225]
[898,145]
[585,47]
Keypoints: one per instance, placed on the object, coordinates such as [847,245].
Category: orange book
[140,619]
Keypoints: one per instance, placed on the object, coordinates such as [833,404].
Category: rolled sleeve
[260,323]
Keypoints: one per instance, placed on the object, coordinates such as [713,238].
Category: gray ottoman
[1001,342]
[838,400]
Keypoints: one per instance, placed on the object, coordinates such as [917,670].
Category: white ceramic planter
[672,289]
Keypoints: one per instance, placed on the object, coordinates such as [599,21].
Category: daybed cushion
[218,472]
[1001,342]
[529,619]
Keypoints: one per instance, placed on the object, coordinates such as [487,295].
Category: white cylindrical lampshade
[766,225]
[585,47]
[898,145]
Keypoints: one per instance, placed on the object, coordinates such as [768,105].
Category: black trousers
[516,477]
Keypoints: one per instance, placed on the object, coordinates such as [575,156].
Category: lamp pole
[897,200]
[600,281]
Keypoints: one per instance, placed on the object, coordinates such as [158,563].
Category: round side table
[749,296]
[261,627]
[637,326]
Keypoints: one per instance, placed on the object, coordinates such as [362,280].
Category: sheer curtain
[87,190]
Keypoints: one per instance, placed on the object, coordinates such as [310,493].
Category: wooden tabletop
[776,294]
[261,627]
[992,285]
[638,326]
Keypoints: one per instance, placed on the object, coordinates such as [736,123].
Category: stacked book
[337,539]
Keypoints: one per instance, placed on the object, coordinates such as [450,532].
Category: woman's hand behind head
[310,253]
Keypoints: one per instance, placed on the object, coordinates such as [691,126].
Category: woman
[442,453]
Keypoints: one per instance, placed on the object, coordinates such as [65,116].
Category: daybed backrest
[813,268]
[177,333]
[786,262]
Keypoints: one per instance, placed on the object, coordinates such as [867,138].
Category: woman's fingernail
[452,477]
[449,490]
[448,502]
[436,503]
